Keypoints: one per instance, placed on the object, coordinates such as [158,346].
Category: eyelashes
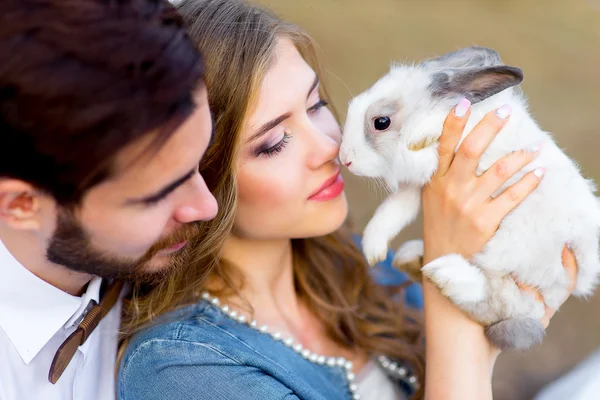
[320,104]
[270,151]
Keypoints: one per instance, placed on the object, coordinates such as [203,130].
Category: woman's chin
[329,218]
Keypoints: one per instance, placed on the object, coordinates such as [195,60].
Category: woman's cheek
[268,188]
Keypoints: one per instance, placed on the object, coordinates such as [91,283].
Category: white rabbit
[391,133]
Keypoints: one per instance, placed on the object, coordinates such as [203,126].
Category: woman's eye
[320,104]
[270,151]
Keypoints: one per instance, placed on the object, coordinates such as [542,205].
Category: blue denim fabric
[199,353]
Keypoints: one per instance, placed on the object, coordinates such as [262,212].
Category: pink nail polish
[534,149]
[462,108]
[539,172]
[504,111]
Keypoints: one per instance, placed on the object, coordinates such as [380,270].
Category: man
[102,127]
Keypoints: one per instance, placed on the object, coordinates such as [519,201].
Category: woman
[276,300]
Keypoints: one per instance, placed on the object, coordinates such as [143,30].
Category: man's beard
[70,246]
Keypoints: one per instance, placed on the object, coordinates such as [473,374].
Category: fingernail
[534,149]
[504,111]
[462,108]
[539,172]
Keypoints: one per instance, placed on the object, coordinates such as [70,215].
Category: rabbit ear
[476,84]
[469,57]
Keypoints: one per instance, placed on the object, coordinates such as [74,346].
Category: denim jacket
[199,352]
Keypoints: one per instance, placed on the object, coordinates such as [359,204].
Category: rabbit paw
[458,280]
[409,258]
[375,248]
[408,252]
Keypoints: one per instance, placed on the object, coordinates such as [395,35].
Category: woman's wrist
[460,360]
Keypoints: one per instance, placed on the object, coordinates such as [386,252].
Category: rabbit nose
[344,157]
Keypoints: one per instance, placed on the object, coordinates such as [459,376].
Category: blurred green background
[555,42]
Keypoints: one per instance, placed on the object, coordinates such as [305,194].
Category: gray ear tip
[518,73]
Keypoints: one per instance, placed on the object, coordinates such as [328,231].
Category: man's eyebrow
[164,192]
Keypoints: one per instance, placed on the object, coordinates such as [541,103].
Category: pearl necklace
[392,369]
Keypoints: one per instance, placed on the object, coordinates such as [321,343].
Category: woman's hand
[459,359]
[459,214]
[570,264]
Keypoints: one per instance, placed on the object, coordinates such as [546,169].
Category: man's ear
[19,205]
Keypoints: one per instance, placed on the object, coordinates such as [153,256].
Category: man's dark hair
[82,79]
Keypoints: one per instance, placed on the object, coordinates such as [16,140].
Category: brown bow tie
[69,347]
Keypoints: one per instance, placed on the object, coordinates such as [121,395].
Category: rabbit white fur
[528,245]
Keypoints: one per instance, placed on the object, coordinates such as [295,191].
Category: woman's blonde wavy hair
[331,276]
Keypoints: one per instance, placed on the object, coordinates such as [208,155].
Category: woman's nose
[323,149]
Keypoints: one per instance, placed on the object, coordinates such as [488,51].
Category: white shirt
[374,384]
[582,383]
[35,318]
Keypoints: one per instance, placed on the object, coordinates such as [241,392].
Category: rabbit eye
[382,123]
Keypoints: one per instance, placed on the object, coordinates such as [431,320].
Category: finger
[454,125]
[470,151]
[502,170]
[548,312]
[514,195]
[545,320]
[534,292]
[570,264]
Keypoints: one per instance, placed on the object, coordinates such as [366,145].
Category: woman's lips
[330,189]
